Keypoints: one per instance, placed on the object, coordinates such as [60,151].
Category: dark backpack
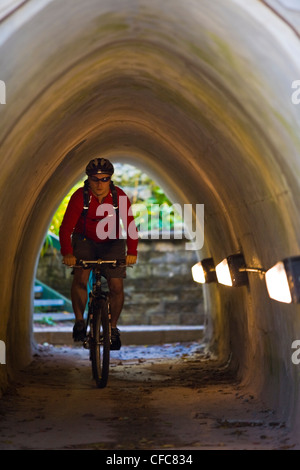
[86,202]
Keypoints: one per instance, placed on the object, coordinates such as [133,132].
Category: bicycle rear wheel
[100,344]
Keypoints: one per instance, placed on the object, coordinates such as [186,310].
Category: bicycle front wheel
[100,344]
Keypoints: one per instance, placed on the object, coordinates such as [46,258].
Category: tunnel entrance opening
[162,303]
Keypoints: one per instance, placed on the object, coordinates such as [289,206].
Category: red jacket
[101,224]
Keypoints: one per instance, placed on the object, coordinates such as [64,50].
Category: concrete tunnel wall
[197,93]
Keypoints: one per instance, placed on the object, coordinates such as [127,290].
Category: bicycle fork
[86,342]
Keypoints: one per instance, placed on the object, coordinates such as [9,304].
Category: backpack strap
[115,203]
[86,198]
[86,203]
[114,196]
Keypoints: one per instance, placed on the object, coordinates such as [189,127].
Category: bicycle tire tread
[100,350]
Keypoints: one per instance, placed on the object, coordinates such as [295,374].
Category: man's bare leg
[79,292]
[116,299]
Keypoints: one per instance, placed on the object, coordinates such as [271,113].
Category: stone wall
[159,289]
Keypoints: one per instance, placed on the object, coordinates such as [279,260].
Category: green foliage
[47,243]
[143,190]
[59,214]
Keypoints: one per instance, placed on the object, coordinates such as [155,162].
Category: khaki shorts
[87,249]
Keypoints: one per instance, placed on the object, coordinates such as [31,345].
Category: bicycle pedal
[86,343]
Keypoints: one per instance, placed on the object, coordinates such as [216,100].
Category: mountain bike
[98,322]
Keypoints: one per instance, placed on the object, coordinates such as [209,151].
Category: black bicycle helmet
[99,165]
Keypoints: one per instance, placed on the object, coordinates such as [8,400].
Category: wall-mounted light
[232,271]
[283,280]
[204,271]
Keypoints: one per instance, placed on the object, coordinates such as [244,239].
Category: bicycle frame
[99,321]
[95,295]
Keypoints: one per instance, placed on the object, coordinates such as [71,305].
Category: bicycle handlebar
[86,264]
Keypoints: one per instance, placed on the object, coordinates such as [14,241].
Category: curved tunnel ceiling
[198,95]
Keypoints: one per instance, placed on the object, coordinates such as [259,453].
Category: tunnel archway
[199,104]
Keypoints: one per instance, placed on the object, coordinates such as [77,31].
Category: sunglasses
[97,180]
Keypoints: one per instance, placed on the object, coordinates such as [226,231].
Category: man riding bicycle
[90,230]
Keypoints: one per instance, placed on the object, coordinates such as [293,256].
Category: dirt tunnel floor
[164,397]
